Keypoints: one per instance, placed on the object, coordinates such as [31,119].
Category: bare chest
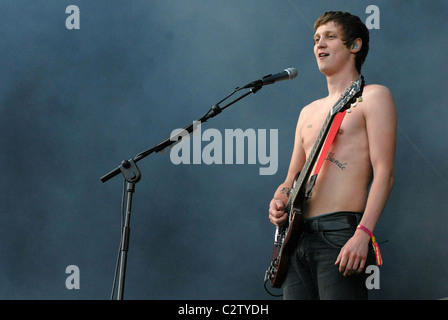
[352,129]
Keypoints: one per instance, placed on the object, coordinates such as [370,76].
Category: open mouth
[322,54]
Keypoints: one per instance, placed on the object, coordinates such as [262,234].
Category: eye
[316,40]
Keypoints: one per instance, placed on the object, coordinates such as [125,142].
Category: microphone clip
[257,83]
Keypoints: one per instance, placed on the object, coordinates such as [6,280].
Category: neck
[337,83]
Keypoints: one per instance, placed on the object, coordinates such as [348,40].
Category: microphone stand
[132,175]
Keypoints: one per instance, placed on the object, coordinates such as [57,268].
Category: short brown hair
[352,29]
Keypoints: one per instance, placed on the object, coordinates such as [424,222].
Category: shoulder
[376,91]
[378,106]
[378,97]
[309,108]
[308,112]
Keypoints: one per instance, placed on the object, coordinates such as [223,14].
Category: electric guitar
[286,234]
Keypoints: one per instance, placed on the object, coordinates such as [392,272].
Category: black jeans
[312,273]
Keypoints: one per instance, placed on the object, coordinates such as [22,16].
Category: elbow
[384,177]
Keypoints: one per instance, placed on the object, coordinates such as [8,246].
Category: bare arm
[281,195]
[381,123]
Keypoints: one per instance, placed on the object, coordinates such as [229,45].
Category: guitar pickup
[310,187]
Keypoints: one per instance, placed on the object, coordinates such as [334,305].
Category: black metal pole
[132,175]
[124,247]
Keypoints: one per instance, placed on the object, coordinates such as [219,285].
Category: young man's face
[330,51]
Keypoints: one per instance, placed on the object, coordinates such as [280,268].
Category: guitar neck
[351,93]
[311,159]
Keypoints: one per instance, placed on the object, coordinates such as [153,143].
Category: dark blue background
[74,103]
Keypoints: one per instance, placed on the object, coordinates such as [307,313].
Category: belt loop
[315,225]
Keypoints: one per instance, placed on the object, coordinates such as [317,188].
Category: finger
[338,259]
[275,213]
[276,217]
[280,220]
[355,265]
[279,205]
[361,266]
[348,270]
[348,267]
[275,205]
[342,264]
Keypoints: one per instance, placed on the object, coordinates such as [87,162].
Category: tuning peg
[349,110]
[360,99]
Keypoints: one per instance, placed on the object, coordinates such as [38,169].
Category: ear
[356,46]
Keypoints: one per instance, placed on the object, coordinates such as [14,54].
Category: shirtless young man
[331,264]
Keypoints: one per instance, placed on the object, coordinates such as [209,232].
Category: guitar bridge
[280,233]
[296,211]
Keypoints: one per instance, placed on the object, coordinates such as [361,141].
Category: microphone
[287,74]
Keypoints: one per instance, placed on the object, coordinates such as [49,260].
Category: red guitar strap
[330,137]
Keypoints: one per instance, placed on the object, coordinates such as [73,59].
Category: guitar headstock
[349,96]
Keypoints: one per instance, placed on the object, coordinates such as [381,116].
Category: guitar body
[286,235]
[284,242]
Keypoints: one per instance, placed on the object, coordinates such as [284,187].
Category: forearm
[352,257]
[282,192]
[379,193]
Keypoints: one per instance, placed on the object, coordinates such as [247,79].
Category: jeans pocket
[336,239]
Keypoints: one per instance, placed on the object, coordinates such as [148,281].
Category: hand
[353,255]
[277,213]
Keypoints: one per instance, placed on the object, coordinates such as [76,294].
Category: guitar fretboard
[311,159]
[354,90]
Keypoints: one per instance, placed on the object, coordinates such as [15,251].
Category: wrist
[368,233]
[361,234]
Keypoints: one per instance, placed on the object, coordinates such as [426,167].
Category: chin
[324,70]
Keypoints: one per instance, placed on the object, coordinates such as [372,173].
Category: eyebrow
[325,32]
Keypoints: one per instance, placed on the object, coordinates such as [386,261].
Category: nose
[321,43]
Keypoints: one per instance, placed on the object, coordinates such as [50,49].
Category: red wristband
[376,248]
